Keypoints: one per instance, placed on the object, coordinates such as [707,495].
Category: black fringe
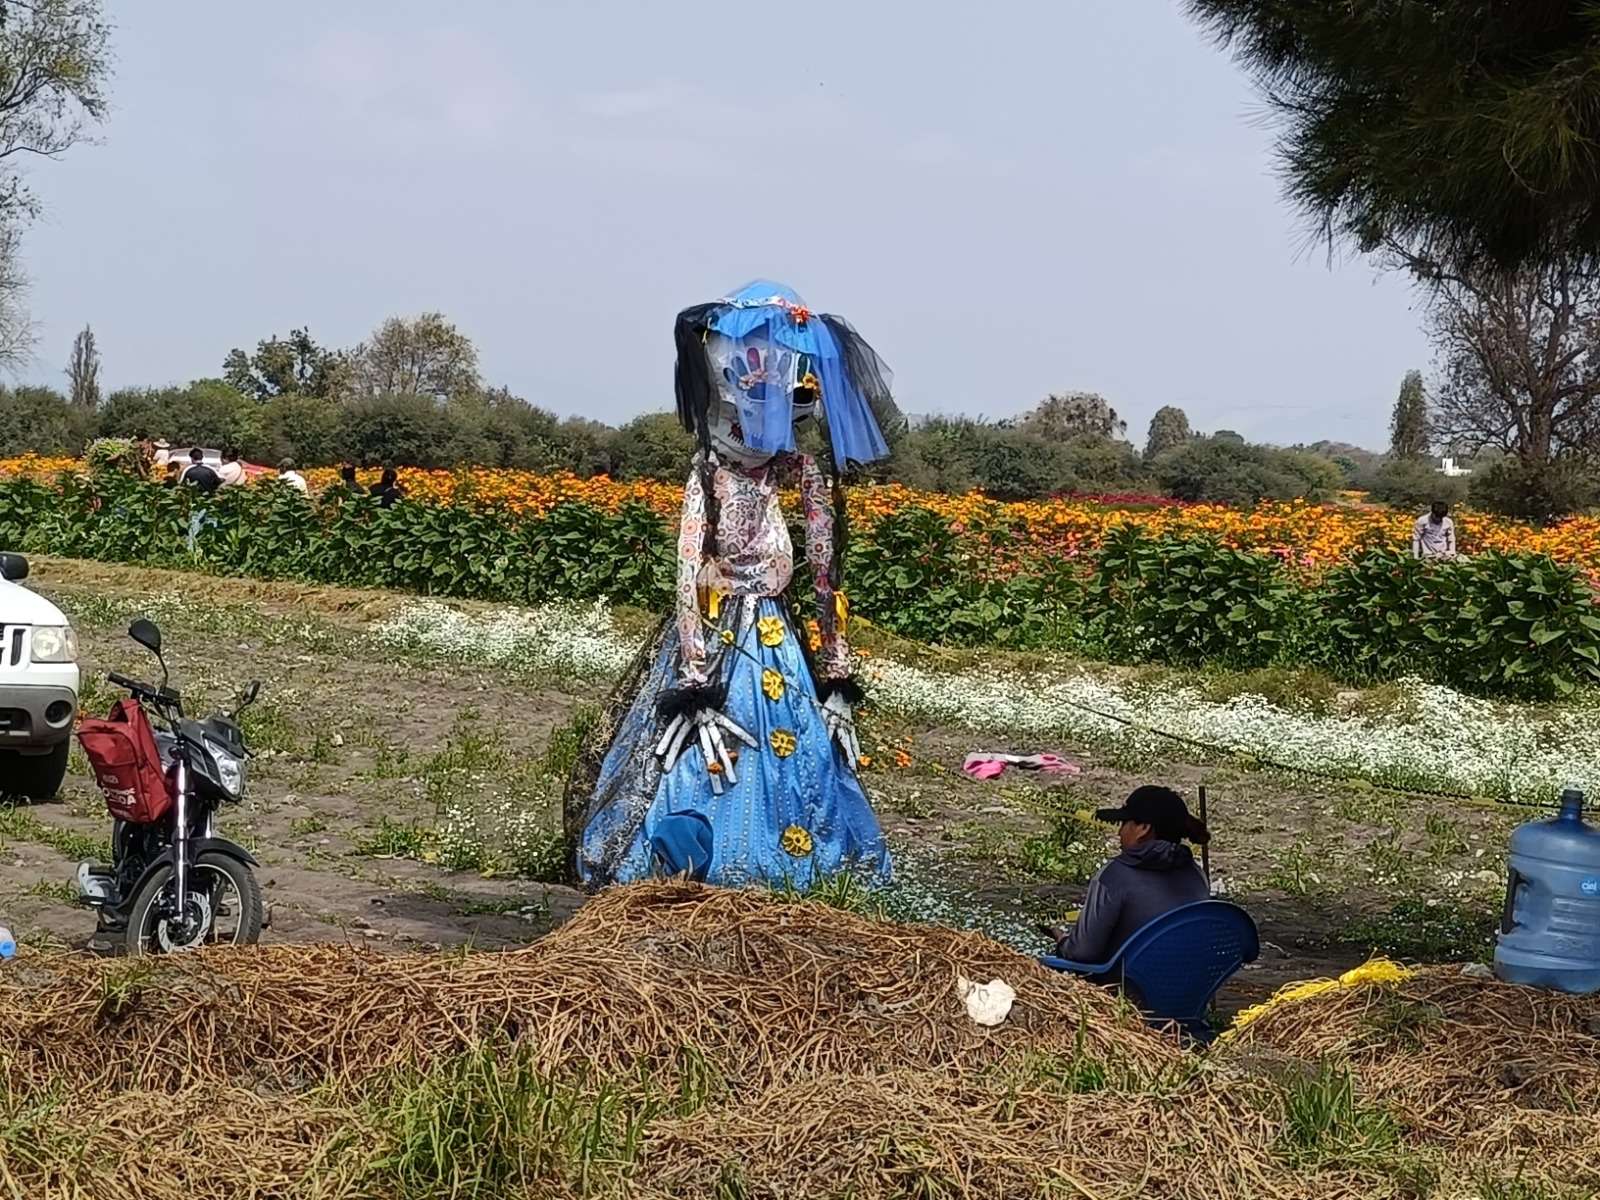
[695,698]
[849,687]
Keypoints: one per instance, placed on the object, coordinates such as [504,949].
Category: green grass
[391,839]
[1446,931]
[301,826]
[1074,849]
[60,890]
[567,740]
[1294,870]
[1325,1120]
[488,1123]
[23,826]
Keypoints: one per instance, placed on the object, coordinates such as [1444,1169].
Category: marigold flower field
[1309,536]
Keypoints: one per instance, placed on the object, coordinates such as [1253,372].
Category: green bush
[1414,483]
[1536,491]
[1189,601]
[1491,623]
[1224,469]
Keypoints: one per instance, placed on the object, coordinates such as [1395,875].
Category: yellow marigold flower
[771,631]
[782,742]
[772,684]
[796,841]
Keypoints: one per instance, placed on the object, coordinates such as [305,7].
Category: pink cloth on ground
[991,766]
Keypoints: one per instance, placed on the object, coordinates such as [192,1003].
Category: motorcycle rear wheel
[219,885]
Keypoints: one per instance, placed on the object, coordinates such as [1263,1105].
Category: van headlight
[54,644]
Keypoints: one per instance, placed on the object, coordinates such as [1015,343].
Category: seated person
[1154,874]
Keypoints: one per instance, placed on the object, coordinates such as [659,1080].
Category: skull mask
[757,383]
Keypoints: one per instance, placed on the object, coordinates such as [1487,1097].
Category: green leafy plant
[1189,601]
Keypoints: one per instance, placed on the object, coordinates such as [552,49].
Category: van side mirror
[13,567]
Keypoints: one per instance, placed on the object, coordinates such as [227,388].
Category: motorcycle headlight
[54,644]
[230,770]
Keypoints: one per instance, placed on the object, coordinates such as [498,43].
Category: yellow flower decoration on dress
[772,684]
[782,742]
[796,841]
[727,637]
[771,631]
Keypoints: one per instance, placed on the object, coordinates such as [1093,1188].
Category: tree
[1232,472]
[1519,359]
[1169,428]
[295,364]
[1467,130]
[653,446]
[17,335]
[55,60]
[1058,417]
[1408,428]
[424,356]
[83,371]
[39,420]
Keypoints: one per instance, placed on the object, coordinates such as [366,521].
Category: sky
[1008,200]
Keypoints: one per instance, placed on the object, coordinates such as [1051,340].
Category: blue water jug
[1550,927]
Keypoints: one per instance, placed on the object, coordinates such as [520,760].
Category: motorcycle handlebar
[138,688]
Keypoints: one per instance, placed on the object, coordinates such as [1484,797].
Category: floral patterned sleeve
[691,548]
[834,658]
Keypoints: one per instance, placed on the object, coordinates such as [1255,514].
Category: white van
[38,687]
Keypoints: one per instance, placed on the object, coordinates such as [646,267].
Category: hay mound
[765,990]
[911,1133]
[1469,1065]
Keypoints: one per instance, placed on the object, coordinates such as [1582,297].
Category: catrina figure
[729,751]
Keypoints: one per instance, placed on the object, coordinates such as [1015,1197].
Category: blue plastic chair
[1172,967]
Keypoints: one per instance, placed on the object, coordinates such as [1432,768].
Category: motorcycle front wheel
[224,908]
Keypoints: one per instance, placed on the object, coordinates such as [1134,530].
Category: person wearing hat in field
[1153,874]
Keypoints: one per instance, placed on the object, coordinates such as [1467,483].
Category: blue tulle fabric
[760,315]
[809,789]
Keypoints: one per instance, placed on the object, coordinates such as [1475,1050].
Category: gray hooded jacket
[1130,891]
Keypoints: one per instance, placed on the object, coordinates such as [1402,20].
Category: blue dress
[798,813]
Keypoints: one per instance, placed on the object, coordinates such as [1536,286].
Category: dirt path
[368,755]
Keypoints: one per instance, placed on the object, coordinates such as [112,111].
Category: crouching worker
[1154,874]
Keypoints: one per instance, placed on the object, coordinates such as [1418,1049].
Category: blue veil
[768,347]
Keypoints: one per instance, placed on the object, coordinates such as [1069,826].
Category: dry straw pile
[673,1041]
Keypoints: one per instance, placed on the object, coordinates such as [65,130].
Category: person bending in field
[1154,874]
[1434,535]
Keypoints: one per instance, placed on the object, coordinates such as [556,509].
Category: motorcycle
[172,883]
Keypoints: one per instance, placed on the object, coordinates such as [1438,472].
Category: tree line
[411,394]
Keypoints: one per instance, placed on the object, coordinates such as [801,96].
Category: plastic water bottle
[1550,927]
[8,944]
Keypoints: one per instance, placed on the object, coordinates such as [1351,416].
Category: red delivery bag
[122,753]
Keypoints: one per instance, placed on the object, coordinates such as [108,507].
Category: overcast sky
[1007,200]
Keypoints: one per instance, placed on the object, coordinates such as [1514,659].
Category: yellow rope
[1374,971]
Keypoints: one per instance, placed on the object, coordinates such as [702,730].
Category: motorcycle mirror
[147,634]
[13,567]
[251,691]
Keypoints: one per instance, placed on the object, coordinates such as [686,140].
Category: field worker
[1434,535]
[1154,874]
[387,490]
[198,475]
[287,474]
[231,472]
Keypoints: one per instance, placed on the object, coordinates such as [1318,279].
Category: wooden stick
[1205,848]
